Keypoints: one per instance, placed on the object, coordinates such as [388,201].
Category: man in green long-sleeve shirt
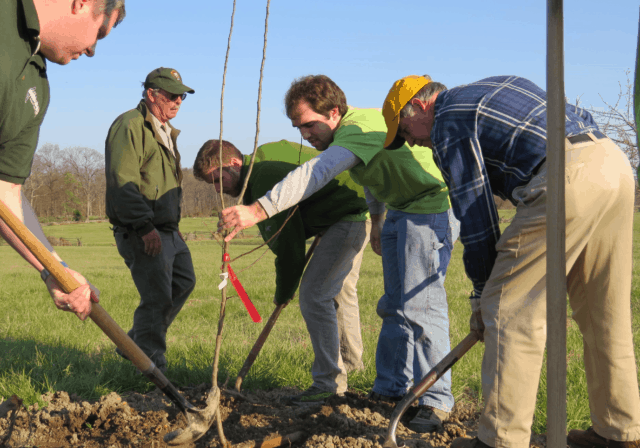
[328,298]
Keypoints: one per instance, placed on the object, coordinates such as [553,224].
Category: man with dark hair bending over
[328,298]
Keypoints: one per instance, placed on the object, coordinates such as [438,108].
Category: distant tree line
[69,184]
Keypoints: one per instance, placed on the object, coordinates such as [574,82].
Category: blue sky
[364,46]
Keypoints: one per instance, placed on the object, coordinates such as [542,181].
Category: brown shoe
[591,439]
[428,419]
[463,442]
[374,396]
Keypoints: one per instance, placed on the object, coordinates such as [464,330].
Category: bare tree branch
[617,120]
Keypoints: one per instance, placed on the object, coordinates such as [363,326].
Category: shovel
[434,375]
[253,354]
[199,420]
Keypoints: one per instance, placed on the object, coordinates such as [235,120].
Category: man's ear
[235,162]
[150,96]
[334,113]
[415,102]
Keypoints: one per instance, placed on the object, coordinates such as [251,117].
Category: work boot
[375,396]
[428,419]
[463,442]
[311,396]
[591,439]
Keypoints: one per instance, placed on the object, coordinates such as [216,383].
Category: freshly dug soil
[249,418]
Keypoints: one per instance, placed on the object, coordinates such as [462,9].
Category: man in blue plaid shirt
[489,137]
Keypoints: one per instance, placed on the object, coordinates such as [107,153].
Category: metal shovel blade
[198,421]
[434,375]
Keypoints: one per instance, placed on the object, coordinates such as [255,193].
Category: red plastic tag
[253,312]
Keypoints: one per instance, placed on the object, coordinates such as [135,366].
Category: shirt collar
[31,16]
[33,24]
[156,122]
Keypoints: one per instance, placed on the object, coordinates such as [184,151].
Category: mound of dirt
[249,418]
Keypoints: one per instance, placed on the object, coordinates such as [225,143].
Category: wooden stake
[556,222]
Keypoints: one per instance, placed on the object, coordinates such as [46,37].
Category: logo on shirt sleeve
[33,97]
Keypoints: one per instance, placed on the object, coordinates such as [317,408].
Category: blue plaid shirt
[488,137]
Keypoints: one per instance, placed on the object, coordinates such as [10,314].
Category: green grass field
[43,349]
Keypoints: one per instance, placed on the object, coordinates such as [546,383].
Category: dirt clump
[249,418]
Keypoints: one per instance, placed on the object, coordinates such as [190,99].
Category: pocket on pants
[527,195]
[423,243]
[360,238]
[125,243]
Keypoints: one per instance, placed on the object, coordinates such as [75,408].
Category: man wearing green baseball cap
[32,32]
[143,203]
[168,80]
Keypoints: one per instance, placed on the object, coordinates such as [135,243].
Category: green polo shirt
[24,89]
[297,154]
[406,179]
[341,197]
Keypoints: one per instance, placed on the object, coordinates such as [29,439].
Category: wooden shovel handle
[68,284]
[253,354]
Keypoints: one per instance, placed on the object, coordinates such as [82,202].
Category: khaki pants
[599,219]
[329,303]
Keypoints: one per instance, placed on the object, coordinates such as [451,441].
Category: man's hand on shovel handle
[275,302]
[78,301]
[475,323]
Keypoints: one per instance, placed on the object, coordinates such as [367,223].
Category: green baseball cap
[167,79]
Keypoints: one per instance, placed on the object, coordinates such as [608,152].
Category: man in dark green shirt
[328,298]
[32,31]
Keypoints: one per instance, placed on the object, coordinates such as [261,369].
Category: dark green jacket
[24,89]
[341,199]
[143,178]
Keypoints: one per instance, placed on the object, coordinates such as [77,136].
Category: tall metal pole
[556,261]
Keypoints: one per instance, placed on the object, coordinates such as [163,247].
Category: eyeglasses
[173,96]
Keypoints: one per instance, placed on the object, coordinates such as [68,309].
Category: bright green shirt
[24,89]
[406,179]
[339,198]
[285,151]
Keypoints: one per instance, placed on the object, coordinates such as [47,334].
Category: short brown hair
[108,6]
[319,91]
[208,157]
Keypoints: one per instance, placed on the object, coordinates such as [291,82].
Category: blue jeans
[416,250]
